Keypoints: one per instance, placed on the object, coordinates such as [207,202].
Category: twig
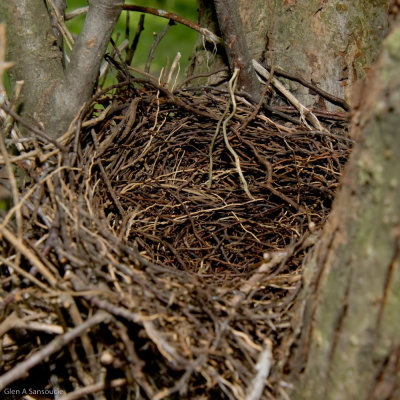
[247,97]
[210,151]
[205,75]
[28,254]
[115,310]
[135,363]
[175,64]
[232,87]
[105,177]
[132,48]
[212,37]
[25,274]
[304,111]
[109,60]
[28,193]
[259,276]
[171,97]
[82,392]
[156,42]
[55,345]
[165,348]
[27,125]
[15,322]
[77,320]
[57,17]
[76,13]
[334,116]
[77,127]
[333,99]
[224,121]
[263,367]
[127,26]
[10,127]
[177,18]
[179,386]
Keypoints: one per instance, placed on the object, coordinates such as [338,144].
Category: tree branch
[231,28]
[92,42]
[85,62]
[213,38]
[208,35]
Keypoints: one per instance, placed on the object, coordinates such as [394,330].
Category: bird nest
[155,250]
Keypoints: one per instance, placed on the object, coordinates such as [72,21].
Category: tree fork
[51,95]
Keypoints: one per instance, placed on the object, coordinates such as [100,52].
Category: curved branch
[210,36]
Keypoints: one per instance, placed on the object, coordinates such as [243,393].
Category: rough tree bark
[236,45]
[350,343]
[30,41]
[51,95]
[331,43]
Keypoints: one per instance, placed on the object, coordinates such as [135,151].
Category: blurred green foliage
[5,205]
[179,37]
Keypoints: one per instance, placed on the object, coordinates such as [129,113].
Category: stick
[55,345]
[80,393]
[177,18]
[29,255]
[263,368]
[212,37]
[304,111]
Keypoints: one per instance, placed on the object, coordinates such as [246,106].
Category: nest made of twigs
[196,275]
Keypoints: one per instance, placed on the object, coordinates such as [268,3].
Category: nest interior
[165,235]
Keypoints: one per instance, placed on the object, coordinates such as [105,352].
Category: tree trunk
[350,339]
[330,43]
[33,48]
